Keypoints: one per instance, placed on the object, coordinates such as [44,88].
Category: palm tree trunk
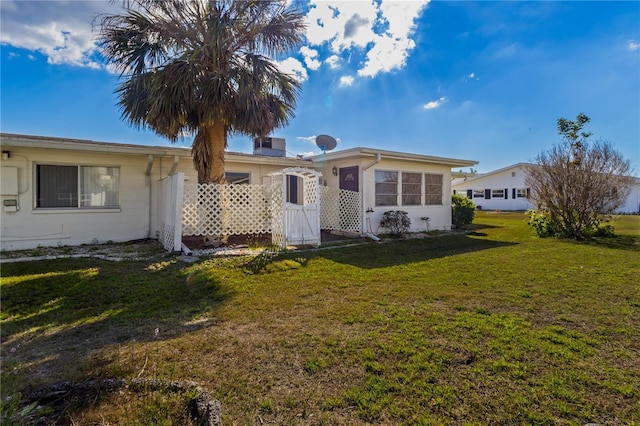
[216,138]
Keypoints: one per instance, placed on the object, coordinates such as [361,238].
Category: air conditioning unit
[272,147]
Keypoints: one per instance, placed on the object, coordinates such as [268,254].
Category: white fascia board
[392,155]
[43,142]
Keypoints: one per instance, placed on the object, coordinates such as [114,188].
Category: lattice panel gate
[300,215]
[214,209]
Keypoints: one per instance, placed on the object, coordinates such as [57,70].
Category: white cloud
[471,76]
[295,68]
[340,24]
[62,31]
[380,30]
[310,139]
[633,45]
[333,61]
[310,56]
[337,32]
[435,104]
[386,55]
[346,80]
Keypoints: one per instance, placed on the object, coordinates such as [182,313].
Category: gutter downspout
[376,161]
[364,194]
[174,166]
[147,183]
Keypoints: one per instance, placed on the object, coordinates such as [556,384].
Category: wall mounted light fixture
[334,171]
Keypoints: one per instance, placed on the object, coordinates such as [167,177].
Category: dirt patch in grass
[141,401]
[132,250]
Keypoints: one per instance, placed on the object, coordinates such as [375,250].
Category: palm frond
[189,65]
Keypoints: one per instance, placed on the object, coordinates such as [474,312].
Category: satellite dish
[326,142]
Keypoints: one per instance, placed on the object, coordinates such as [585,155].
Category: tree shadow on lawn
[398,252]
[75,308]
[619,242]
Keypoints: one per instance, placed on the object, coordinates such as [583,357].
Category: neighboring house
[502,189]
[505,189]
[632,203]
[390,180]
[58,191]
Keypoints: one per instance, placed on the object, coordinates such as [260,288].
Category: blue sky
[484,81]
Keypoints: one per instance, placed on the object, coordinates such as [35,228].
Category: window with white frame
[411,188]
[478,193]
[497,193]
[60,186]
[433,189]
[521,193]
[386,188]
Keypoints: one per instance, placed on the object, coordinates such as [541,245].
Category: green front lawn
[493,327]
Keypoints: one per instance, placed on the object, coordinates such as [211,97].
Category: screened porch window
[432,189]
[386,188]
[411,186]
[77,186]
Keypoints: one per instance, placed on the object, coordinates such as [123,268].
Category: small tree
[463,211]
[396,221]
[576,182]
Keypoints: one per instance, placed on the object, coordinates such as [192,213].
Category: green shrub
[396,221]
[606,231]
[463,211]
[542,224]
[544,227]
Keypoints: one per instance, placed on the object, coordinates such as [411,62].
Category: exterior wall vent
[271,147]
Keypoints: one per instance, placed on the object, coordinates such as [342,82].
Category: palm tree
[203,67]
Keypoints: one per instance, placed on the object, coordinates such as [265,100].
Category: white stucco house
[502,189]
[60,191]
[391,180]
[506,189]
[632,203]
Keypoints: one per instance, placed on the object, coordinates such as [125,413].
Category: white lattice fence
[277,210]
[170,213]
[214,209]
[340,209]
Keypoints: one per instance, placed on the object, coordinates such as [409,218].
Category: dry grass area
[494,327]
